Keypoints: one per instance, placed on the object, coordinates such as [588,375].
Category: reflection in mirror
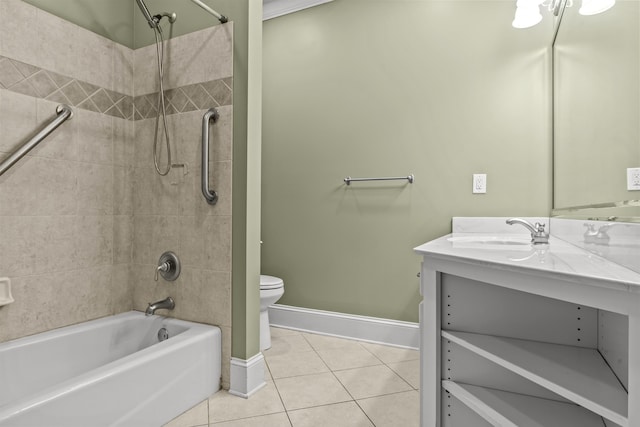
[596,112]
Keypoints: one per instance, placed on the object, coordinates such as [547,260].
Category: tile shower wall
[170,213]
[84,217]
[64,209]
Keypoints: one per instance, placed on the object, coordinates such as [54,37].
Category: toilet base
[265,332]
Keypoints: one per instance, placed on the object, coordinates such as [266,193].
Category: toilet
[271,289]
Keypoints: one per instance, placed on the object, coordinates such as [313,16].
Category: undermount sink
[492,240]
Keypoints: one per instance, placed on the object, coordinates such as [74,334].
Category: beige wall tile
[58,44]
[17,40]
[123,142]
[121,290]
[152,236]
[122,239]
[205,298]
[95,59]
[123,190]
[123,69]
[205,242]
[18,114]
[95,137]
[95,189]
[38,186]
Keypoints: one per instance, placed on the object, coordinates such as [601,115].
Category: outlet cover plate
[479,183]
[633,179]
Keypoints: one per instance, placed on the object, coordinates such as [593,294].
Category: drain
[163,334]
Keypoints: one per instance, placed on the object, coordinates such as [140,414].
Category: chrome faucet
[166,303]
[599,236]
[538,233]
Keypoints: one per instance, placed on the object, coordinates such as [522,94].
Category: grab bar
[210,195]
[348,180]
[64,112]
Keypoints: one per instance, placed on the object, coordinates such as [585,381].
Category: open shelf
[504,409]
[578,374]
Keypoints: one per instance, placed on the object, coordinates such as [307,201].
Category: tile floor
[315,381]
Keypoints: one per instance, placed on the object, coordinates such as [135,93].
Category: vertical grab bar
[64,112]
[210,195]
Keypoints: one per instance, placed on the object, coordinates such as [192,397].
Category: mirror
[597,112]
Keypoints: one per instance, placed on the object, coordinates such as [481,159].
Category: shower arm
[223,19]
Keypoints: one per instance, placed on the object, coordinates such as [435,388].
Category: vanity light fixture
[528,11]
[593,7]
[527,14]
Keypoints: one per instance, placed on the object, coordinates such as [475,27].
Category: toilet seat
[270,282]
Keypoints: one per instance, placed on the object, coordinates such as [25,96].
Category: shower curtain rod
[220,17]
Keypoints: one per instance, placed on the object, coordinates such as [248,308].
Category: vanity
[517,334]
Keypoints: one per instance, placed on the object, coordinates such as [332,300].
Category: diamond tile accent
[33,81]
[9,74]
[42,83]
[74,92]
[25,69]
[102,100]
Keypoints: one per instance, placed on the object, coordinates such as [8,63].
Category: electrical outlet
[633,179]
[479,183]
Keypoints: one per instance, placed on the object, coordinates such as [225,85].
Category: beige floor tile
[281,332]
[393,410]
[409,371]
[323,342]
[371,381]
[287,344]
[311,390]
[295,364]
[273,420]
[225,407]
[390,354]
[349,358]
[346,414]
[196,416]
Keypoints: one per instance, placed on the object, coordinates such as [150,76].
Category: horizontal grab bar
[64,112]
[348,180]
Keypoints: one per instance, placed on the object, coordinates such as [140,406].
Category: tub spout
[166,303]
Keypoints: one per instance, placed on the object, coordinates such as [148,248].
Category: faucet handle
[164,267]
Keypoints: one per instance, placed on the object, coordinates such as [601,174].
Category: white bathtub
[109,372]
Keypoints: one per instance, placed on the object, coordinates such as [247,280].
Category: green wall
[441,89]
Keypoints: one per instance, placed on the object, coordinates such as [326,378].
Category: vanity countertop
[558,259]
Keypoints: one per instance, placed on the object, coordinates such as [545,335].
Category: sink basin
[492,240]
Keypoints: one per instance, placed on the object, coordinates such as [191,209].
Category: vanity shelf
[501,408]
[578,374]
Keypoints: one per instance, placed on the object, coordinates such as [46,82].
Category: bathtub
[113,371]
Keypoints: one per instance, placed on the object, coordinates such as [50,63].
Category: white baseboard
[247,376]
[362,328]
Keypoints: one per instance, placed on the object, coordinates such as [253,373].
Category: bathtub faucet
[166,303]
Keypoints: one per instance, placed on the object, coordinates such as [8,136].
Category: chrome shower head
[153,22]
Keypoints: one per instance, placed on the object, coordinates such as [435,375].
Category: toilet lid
[270,282]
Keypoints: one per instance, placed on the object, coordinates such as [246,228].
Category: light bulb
[593,7]
[527,16]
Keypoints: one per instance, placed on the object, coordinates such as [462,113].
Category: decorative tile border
[33,81]
[198,96]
